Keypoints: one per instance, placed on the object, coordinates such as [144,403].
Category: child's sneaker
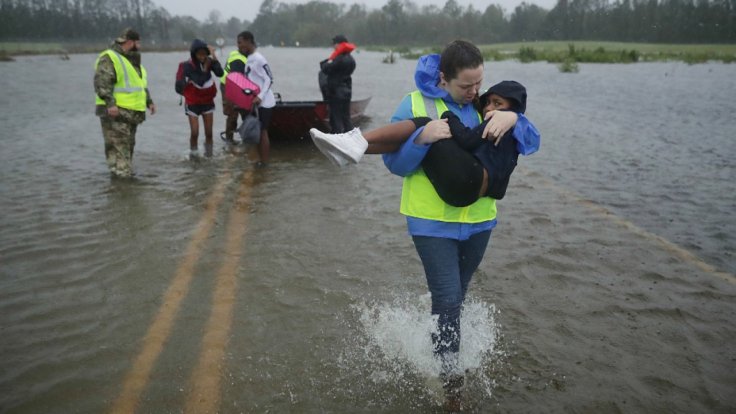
[340,148]
[335,158]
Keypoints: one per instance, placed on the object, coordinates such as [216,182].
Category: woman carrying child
[450,240]
[463,167]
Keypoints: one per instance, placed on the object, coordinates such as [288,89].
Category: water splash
[390,355]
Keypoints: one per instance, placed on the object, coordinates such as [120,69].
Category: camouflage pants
[119,143]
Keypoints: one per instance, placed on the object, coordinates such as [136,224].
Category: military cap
[128,34]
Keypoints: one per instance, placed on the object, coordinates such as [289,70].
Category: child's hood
[511,90]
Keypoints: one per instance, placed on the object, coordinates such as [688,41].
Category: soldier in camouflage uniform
[119,122]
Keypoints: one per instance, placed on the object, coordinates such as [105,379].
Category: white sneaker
[350,145]
[335,158]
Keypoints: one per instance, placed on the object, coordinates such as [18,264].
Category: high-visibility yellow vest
[418,196]
[234,55]
[130,87]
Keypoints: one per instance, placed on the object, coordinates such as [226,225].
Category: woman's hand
[434,131]
[500,123]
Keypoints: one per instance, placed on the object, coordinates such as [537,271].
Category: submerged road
[212,286]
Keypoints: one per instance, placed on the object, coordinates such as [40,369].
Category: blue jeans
[449,265]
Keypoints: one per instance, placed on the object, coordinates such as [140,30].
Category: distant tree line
[398,22]
[402,22]
[96,20]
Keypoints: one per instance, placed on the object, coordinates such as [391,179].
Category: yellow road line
[676,250]
[204,395]
[160,329]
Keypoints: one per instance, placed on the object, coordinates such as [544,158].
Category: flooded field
[213,286]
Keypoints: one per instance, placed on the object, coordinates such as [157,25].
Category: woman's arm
[499,123]
[409,157]
[524,131]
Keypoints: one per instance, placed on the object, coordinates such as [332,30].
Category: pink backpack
[240,90]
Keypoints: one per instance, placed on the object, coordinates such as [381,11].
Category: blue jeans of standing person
[449,265]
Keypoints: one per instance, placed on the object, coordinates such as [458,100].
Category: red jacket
[197,86]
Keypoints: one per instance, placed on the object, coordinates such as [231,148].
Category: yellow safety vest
[130,87]
[234,55]
[418,196]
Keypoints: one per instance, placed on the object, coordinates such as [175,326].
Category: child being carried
[461,169]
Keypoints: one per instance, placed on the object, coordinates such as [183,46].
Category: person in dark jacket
[338,69]
[194,80]
[461,169]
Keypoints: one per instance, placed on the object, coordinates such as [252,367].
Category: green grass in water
[598,52]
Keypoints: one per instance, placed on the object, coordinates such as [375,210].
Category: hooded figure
[511,90]
[195,81]
[498,160]
[194,78]
[338,90]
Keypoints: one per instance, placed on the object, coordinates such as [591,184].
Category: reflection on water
[331,311]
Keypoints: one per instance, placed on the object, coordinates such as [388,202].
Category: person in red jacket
[194,80]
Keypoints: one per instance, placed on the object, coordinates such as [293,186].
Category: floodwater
[213,286]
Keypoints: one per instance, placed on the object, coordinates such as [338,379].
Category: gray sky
[248,9]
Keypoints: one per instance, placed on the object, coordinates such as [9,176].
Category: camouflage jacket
[105,78]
